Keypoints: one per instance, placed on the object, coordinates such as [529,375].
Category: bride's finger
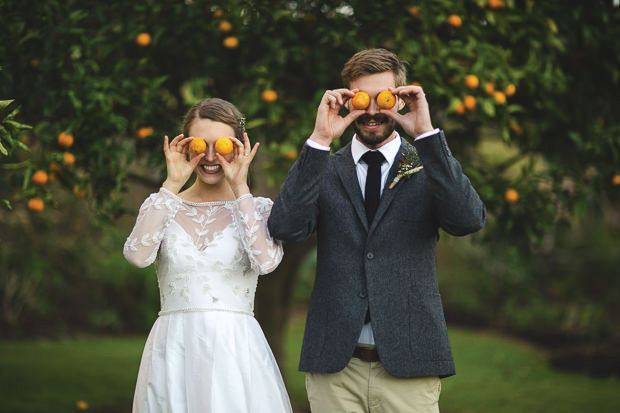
[196,159]
[166,145]
[176,140]
[254,150]
[246,142]
[239,148]
[225,164]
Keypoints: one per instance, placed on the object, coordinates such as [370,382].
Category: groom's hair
[218,110]
[371,61]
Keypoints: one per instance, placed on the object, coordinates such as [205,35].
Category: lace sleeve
[265,253]
[155,215]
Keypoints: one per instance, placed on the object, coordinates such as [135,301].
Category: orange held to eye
[197,145]
[360,100]
[386,100]
[223,146]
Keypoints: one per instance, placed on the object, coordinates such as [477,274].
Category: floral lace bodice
[208,255]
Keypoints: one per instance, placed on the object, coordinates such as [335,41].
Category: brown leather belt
[366,354]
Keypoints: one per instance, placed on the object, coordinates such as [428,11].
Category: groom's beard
[375,137]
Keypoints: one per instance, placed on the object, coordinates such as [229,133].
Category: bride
[206,352]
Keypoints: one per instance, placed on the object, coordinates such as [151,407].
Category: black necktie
[372,192]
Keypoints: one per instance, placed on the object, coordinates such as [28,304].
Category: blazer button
[370,255]
[363,294]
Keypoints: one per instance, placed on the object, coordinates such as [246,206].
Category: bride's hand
[178,168]
[236,171]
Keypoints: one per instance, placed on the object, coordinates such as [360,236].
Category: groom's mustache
[379,118]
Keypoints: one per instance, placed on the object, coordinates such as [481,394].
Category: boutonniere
[409,165]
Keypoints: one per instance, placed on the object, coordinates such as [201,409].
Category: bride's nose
[210,153]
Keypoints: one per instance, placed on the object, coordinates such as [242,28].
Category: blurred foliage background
[527,92]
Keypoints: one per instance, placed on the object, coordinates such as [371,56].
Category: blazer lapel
[388,195]
[345,167]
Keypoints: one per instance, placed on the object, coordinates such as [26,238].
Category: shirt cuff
[315,145]
[427,134]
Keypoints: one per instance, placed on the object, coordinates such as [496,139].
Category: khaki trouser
[365,387]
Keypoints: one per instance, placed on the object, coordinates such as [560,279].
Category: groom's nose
[372,108]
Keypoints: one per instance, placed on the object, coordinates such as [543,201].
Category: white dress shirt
[389,152]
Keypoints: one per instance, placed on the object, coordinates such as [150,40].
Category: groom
[375,337]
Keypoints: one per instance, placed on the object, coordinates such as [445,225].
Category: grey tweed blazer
[388,266]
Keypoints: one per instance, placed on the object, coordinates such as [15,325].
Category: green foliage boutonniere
[407,166]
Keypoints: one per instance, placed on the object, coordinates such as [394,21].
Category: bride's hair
[218,110]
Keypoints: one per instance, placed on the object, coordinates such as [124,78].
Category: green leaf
[488,107]
[3,150]
[5,103]
[7,203]
[17,125]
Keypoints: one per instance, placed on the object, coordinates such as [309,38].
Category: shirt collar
[389,150]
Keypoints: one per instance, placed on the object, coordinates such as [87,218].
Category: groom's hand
[329,125]
[418,120]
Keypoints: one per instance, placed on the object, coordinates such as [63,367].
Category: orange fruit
[360,100]
[414,11]
[499,97]
[36,205]
[65,140]
[225,26]
[231,42]
[496,4]
[510,90]
[55,167]
[218,13]
[69,158]
[489,88]
[515,127]
[469,102]
[269,95]
[460,108]
[79,193]
[290,154]
[455,21]
[143,39]
[197,145]
[39,178]
[81,405]
[511,196]
[34,62]
[386,100]
[471,81]
[223,146]
[144,132]
[615,180]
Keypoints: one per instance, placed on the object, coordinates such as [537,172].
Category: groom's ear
[401,104]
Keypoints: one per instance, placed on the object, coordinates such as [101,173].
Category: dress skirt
[209,361]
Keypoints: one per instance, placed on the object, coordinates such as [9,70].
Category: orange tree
[539,78]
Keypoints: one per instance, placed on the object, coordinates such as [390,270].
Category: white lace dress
[206,352]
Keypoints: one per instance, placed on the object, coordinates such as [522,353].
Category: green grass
[494,374]
[50,376]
